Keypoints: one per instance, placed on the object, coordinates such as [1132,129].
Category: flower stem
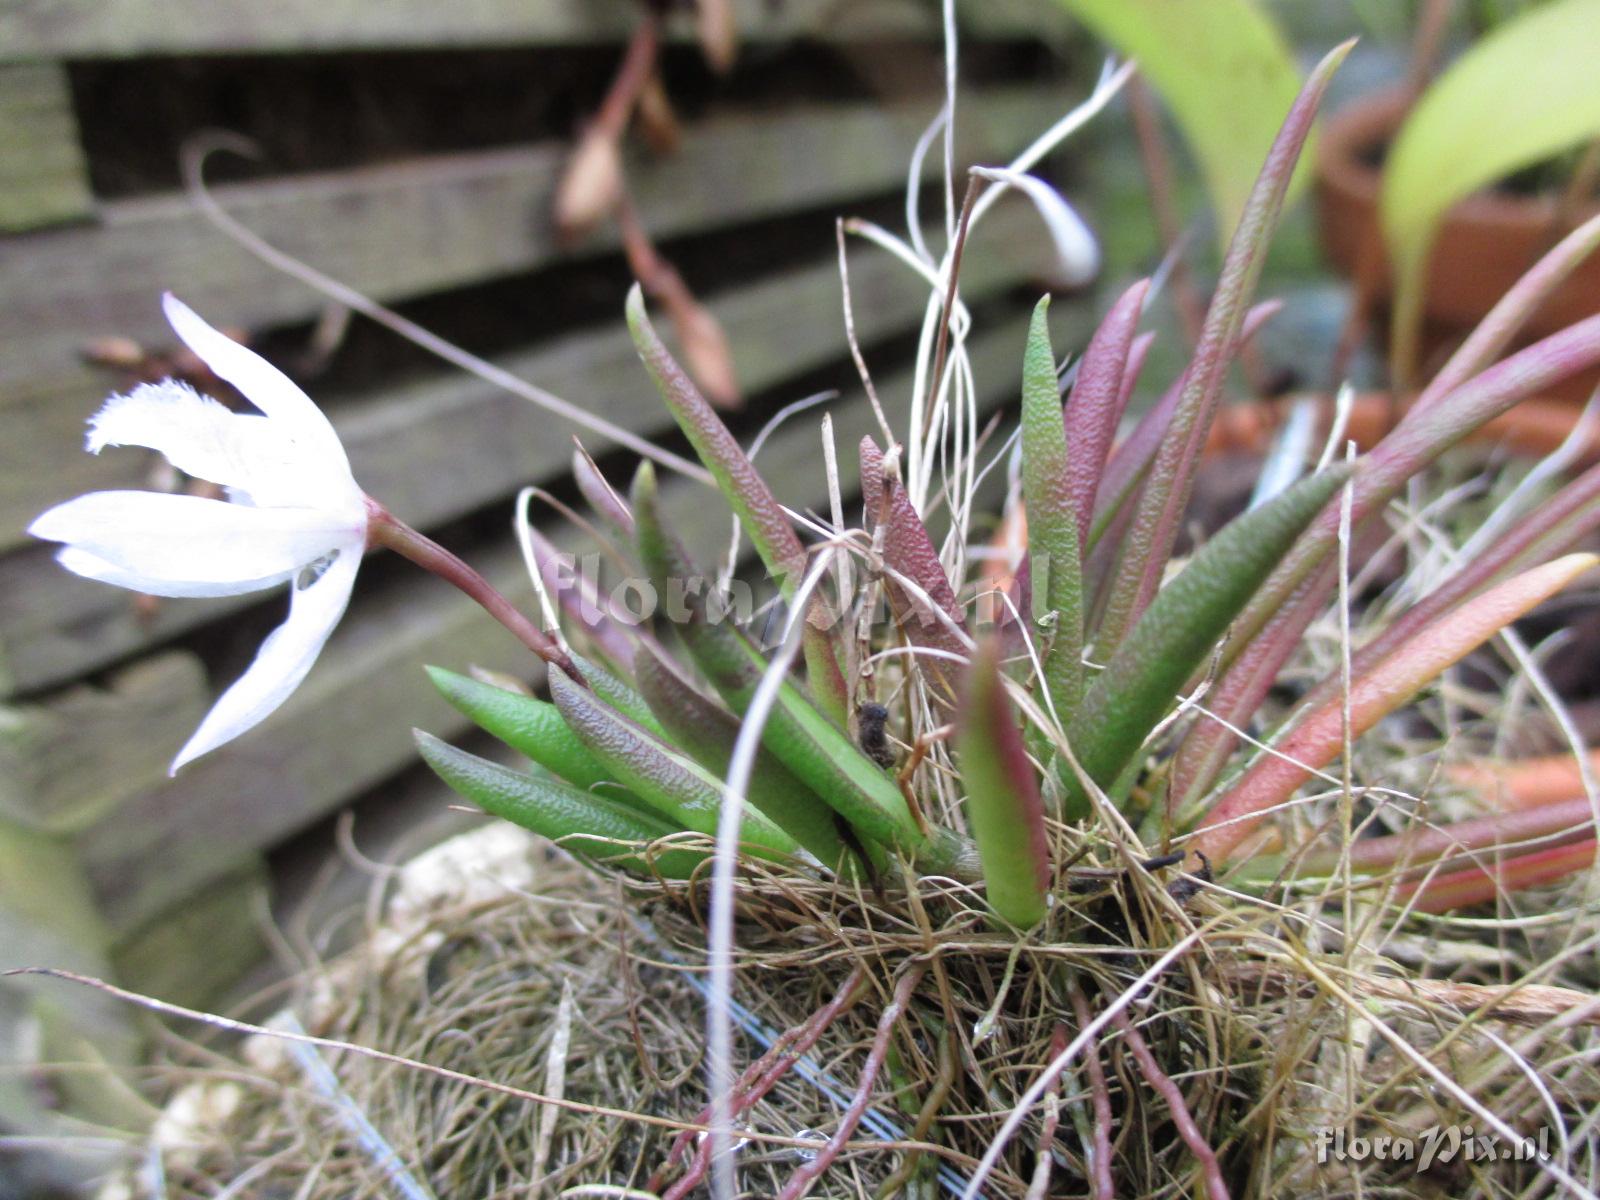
[385,529]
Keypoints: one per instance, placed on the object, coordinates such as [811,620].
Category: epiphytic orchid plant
[673,753]
[1135,678]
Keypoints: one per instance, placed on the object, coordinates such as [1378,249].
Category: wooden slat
[426,225]
[124,28]
[392,232]
[62,764]
[48,918]
[349,724]
[410,448]
[196,950]
[43,177]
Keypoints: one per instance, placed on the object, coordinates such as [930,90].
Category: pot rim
[1374,117]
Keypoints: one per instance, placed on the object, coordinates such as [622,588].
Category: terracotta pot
[1534,427]
[1484,245]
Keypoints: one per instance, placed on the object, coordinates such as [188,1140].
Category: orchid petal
[91,566]
[155,541]
[321,458]
[202,438]
[284,658]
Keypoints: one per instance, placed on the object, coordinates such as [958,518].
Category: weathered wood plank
[194,951]
[349,725]
[409,447]
[425,225]
[43,177]
[48,918]
[392,232]
[65,762]
[96,29]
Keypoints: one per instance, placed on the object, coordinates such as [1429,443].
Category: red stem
[1100,1185]
[1479,885]
[631,77]
[802,1179]
[1480,835]
[1216,1189]
[385,529]
[759,1078]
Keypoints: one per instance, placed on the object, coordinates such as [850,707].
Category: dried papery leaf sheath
[1003,804]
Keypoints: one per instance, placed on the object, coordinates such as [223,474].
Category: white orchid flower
[293,514]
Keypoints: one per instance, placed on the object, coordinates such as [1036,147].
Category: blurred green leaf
[1224,70]
[1523,93]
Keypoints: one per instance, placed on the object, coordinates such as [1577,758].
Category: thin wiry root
[1216,1189]
[1100,1187]
[931,1106]
[759,1078]
[802,1179]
